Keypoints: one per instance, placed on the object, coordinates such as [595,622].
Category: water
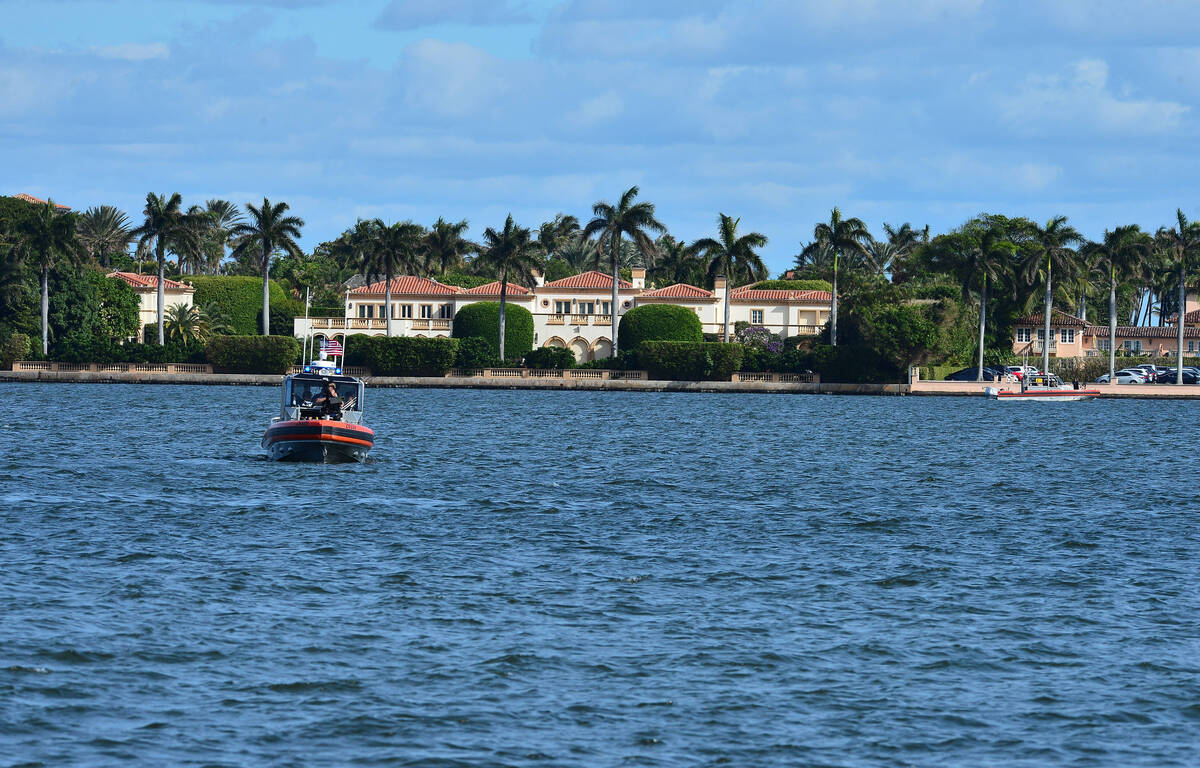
[539,579]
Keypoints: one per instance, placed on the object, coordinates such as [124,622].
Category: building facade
[1072,337]
[146,287]
[574,313]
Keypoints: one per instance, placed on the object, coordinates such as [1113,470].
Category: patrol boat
[307,429]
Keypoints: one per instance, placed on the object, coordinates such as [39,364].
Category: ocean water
[599,579]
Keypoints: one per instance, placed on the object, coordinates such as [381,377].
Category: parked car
[1167,376]
[1020,371]
[969,374]
[1153,372]
[1126,376]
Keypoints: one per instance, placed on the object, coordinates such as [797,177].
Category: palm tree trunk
[45,309]
[833,306]
[387,303]
[503,302]
[266,266]
[1179,330]
[728,283]
[1046,340]
[162,295]
[982,322]
[1083,306]
[616,247]
[1112,324]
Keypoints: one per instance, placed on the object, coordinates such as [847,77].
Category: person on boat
[329,402]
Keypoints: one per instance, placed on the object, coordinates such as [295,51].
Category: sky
[771,111]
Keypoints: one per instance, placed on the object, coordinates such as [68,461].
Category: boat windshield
[304,393]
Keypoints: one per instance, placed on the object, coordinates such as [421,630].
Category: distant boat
[1046,387]
[311,427]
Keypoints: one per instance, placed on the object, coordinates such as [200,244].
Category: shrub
[550,357]
[690,361]
[658,322]
[410,356]
[239,298]
[15,347]
[252,354]
[482,321]
[355,348]
[474,352]
[794,285]
[283,315]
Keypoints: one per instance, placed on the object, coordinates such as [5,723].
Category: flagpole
[307,330]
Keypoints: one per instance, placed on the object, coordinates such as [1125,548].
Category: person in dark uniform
[329,402]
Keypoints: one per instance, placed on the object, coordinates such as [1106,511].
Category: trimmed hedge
[252,354]
[658,322]
[410,356]
[474,352]
[355,348]
[482,321]
[690,360]
[550,357]
[794,285]
[240,299]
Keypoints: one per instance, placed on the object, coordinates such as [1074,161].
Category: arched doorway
[579,347]
[602,349]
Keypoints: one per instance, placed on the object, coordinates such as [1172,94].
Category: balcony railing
[579,319]
[556,320]
[601,319]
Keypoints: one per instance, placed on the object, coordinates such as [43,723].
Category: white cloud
[1083,99]
[133,51]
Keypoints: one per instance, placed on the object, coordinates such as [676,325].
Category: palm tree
[104,230]
[48,236]
[508,252]
[732,256]
[445,246]
[392,250]
[225,216]
[881,254]
[579,254]
[268,230]
[168,228]
[609,223]
[553,235]
[1053,250]
[678,262]
[1179,241]
[1121,251]
[847,238]
[990,260]
[186,323]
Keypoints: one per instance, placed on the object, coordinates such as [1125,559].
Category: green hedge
[658,322]
[550,357]
[355,348]
[410,356]
[690,361]
[252,354]
[794,285]
[240,299]
[474,352]
[482,320]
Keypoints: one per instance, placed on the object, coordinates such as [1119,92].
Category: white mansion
[573,312]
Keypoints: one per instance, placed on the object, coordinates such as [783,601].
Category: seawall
[462,382]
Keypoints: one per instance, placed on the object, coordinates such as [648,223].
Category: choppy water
[537,579]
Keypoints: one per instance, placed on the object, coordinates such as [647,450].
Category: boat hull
[1045,395]
[318,440]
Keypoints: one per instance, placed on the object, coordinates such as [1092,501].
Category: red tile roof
[1057,318]
[1143,332]
[750,293]
[589,279]
[678,291]
[409,285]
[1190,317]
[493,289]
[150,281]
[39,201]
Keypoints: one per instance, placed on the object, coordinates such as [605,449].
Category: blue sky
[926,111]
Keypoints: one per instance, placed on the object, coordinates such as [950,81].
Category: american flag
[331,346]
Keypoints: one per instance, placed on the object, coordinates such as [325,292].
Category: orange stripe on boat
[310,438]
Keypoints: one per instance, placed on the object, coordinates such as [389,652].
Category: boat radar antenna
[307,330]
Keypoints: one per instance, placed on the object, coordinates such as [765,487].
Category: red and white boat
[1044,387]
[309,430]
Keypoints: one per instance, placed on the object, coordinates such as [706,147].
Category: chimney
[639,277]
[719,286]
[538,278]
